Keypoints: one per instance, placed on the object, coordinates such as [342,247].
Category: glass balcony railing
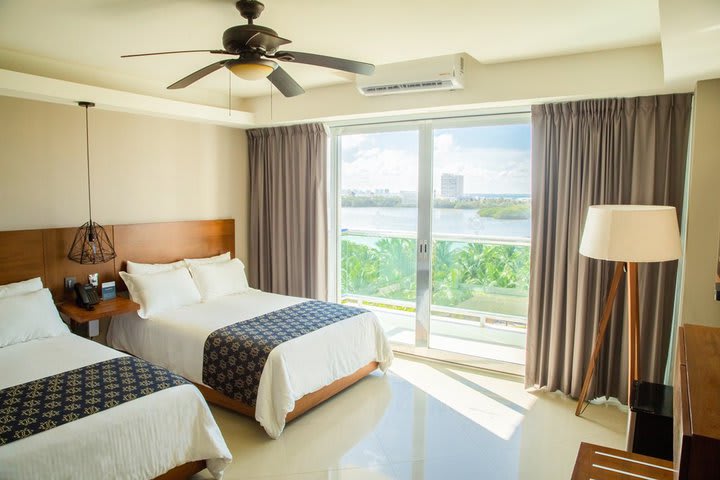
[481,277]
[479,288]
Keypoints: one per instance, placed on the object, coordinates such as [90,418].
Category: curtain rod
[351,123]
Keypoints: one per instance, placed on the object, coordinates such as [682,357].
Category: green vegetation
[370,201]
[463,273]
[500,208]
[515,211]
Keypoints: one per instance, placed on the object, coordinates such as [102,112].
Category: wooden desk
[696,419]
[79,317]
[603,463]
[697,403]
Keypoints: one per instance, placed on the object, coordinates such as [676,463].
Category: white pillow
[29,316]
[20,288]
[143,268]
[158,292]
[219,279]
[223,257]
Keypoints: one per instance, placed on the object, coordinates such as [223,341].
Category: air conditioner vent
[439,73]
[407,87]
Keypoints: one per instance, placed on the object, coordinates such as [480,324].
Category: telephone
[86,296]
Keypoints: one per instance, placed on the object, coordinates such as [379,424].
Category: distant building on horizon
[451,185]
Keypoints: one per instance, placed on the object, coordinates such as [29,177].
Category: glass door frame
[422,322]
[425,129]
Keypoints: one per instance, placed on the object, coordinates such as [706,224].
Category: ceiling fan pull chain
[229,94]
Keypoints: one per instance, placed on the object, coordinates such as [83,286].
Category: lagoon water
[445,221]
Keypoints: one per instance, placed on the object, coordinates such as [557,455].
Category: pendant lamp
[92,244]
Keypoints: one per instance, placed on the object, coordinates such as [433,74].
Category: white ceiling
[82,40]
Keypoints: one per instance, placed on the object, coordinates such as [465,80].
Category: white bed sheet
[176,339]
[140,439]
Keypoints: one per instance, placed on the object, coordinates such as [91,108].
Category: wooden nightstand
[79,317]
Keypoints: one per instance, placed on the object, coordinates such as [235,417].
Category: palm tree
[447,280]
[397,267]
[471,263]
[359,268]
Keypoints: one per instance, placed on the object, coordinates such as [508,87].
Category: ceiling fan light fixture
[251,69]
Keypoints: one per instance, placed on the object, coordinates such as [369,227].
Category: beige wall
[618,72]
[703,211]
[143,169]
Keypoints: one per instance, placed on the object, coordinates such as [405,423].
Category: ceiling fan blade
[324,61]
[195,76]
[285,83]
[176,51]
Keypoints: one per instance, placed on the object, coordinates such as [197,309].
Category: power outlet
[70,283]
[93,328]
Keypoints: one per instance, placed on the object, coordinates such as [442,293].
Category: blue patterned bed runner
[49,402]
[234,356]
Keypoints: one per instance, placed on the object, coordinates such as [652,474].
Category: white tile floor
[424,421]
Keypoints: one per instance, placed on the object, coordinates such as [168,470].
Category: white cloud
[486,170]
[370,162]
[443,143]
[375,168]
[350,142]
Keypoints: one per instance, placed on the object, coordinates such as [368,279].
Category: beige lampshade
[631,233]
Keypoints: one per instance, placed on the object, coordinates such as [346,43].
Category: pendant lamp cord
[87,155]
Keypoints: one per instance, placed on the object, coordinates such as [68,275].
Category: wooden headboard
[21,256]
[168,242]
[43,253]
[172,241]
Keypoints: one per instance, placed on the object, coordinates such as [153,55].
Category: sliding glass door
[481,238]
[378,218]
[432,230]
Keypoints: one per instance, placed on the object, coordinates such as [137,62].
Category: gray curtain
[288,210]
[612,151]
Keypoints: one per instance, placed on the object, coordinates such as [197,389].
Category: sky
[492,159]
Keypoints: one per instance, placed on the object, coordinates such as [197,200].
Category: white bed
[142,438]
[139,439]
[175,339]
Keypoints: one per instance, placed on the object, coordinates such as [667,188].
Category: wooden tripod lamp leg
[633,327]
[607,310]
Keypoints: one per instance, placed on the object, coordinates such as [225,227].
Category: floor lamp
[627,235]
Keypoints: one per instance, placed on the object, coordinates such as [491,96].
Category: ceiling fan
[256,48]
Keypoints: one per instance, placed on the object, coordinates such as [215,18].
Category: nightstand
[79,317]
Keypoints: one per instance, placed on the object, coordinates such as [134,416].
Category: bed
[72,408]
[297,374]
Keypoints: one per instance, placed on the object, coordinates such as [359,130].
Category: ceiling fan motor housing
[245,37]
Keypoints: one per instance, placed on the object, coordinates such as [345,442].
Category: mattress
[176,339]
[139,439]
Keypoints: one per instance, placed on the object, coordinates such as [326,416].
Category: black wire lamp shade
[91,244]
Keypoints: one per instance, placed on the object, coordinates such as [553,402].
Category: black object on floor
[652,432]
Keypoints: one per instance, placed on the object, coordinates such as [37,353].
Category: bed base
[184,471]
[302,405]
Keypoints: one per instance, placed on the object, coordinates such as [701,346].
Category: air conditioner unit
[437,73]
